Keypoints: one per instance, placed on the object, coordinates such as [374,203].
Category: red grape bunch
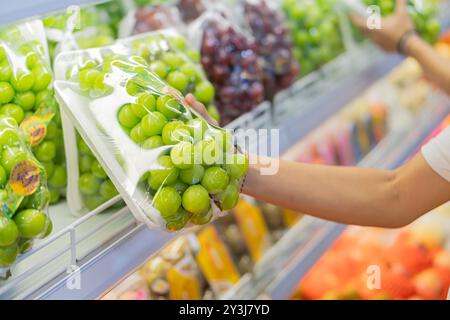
[231,63]
[274,46]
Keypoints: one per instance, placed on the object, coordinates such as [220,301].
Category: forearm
[350,195]
[436,68]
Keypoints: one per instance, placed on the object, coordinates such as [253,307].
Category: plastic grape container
[170,166]
[24,196]
[26,94]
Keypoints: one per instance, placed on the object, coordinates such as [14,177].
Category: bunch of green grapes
[423,14]
[315,32]
[179,67]
[26,89]
[197,163]
[22,215]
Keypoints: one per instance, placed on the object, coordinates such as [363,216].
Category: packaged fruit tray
[170,166]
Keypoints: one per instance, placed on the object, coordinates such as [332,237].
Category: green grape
[167,201]
[31,223]
[193,175]
[97,170]
[99,84]
[59,178]
[8,255]
[182,155]
[215,180]
[180,186]
[3,177]
[153,143]
[164,174]
[190,71]
[159,68]
[6,92]
[147,101]
[223,138]
[133,88]
[168,106]
[38,200]
[153,123]
[172,60]
[49,167]
[178,221]
[8,231]
[41,96]
[93,201]
[89,184]
[48,229]
[178,80]
[214,113]
[42,78]
[22,81]
[55,196]
[208,152]
[13,110]
[5,71]
[196,200]
[177,41]
[204,92]
[237,166]
[107,190]
[203,218]
[137,134]
[25,245]
[53,131]
[46,151]
[127,118]
[9,137]
[31,60]
[193,55]
[83,147]
[175,132]
[197,127]
[12,157]
[87,78]
[229,198]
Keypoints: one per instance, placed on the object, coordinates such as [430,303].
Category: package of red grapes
[172,168]
[264,20]
[155,15]
[230,60]
[26,92]
[24,196]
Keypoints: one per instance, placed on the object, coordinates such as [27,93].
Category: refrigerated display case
[105,247]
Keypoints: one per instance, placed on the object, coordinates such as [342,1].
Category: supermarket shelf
[13,11]
[294,255]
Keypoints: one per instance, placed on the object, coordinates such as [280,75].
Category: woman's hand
[392,27]
[200,108]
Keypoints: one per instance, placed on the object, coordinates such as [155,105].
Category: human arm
[393,28]
[357,196]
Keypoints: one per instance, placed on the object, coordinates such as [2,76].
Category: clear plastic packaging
[24,196]
[229,58]
[27,95]
[170,166]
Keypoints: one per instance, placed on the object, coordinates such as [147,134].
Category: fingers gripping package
[170,166]
[229,58]
[26,94]
[24,196]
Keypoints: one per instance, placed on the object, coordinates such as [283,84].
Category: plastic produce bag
[189,9]
[27,95]
[170,166]
[24,196]
[264,20]
[229,58]
[315,32]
